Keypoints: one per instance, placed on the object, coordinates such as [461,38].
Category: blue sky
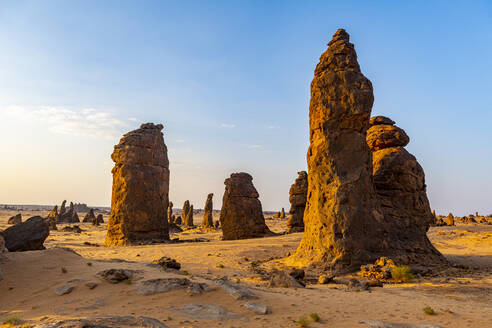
[229,80]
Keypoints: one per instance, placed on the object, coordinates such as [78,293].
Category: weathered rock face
[15,219]
[297,199]
[89,216]
[26,236]
[399,182]
[356,213]
[139,198]
[241,215]
[208,220]
[342,214]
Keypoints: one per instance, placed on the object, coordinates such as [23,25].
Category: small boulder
[237,291]
[167,263]
[257,308]
[64,289]
[115,276]
[282,279]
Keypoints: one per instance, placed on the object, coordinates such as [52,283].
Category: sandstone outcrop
[349,219]
[342,216]
[186,216]
[98,220]
[52,218]
[170,215]
[282,213]
[297,199]
[69,216]
[208,220]
[26,236]
[89,216]
[450,220]
[241,215]
[15,219]
[139,198]
[399,182]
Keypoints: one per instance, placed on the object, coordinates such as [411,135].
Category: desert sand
[461,296]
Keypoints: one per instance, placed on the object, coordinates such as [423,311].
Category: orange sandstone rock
[140,188]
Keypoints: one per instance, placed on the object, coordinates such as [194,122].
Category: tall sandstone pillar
[342,214]
[139,199]
[208,220]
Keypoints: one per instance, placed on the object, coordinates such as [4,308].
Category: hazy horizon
[230,82]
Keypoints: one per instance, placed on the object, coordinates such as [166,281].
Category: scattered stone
[102,322]
[324,279]
[357,285]
[237,291]
[257,308]
[381,270]
[64,289]
[297,199]
[75,229]
[89,216]
[198,289]
[115,276]
[15,219]
[385,324]
[208,312]
[140,188]
[208,220]
[282,279]
[241,216]
[167,263]
[91,284]
[26,236]
[161,285]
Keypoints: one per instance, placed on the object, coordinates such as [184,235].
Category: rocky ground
[461,296]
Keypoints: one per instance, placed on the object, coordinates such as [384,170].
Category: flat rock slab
[235,290]
[208,312]
[163,285]
[105,322]
[115,276]
[282,279]
[257,308]
[64,289]
[385,324]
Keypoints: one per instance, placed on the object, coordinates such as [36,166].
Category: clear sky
[229,80]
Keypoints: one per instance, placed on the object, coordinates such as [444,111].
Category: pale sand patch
[30,279]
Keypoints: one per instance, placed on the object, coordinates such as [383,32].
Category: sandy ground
[461,297]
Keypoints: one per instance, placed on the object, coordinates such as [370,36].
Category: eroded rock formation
[208,220]
[342,215]
[170,215]
[241,215]
[345,225]
[185,213]
[297,199]
[450,220]
[139,198]
[399,182]
[69,216]
[15,219]
[89,216]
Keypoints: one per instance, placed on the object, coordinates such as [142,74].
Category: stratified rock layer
[399,182]
[342,215]
[208,220]
[140,188]
[297,199]
[241,215]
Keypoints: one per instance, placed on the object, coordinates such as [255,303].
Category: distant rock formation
[27,236]
[450,220]
[282,213]
[217,224]
[52,218]
[178,221]
[241,216]
[187,214]
[208,220]
[297,199]
[62,208]
[139,199]
[98,220]
[399,182]
[15,219]
[69,216]
[170,215]
[80,207]
[89,216]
